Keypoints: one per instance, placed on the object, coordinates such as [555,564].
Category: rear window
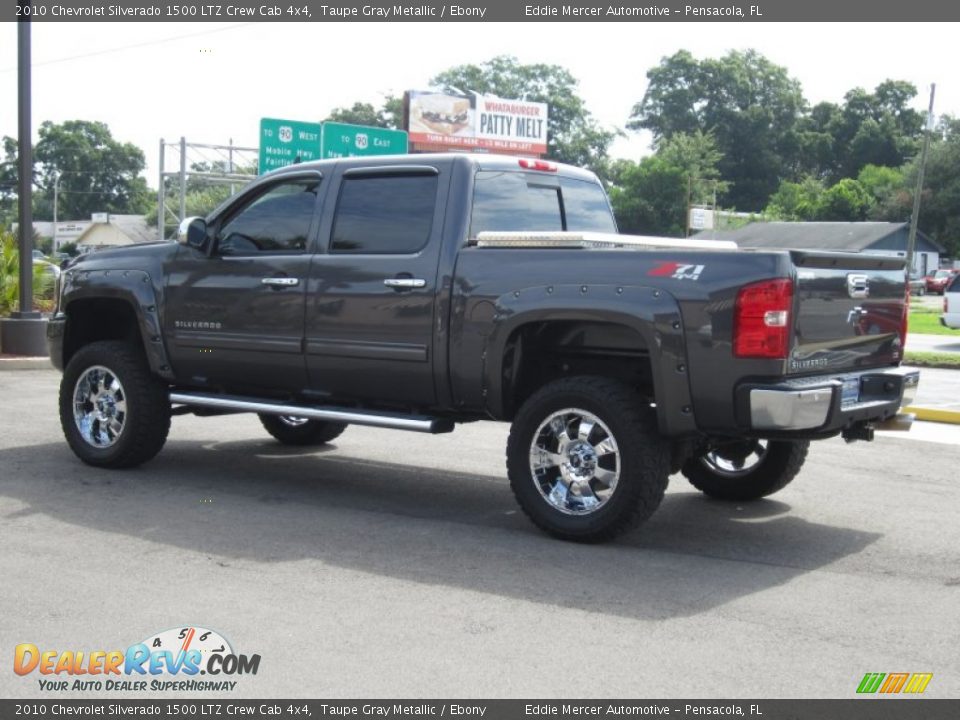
[516,201]
[954,285]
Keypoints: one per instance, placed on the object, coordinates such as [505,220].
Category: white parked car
[951,304]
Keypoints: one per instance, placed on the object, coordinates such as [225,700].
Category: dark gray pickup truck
[416,292]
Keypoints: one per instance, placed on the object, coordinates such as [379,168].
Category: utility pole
[915,215]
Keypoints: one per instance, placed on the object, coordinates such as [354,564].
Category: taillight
[541,165]
[761,321]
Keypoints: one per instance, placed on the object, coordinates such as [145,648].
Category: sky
[213,82]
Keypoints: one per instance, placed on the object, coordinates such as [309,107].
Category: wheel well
[540,352]
[94,319]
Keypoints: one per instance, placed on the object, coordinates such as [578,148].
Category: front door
[235,317]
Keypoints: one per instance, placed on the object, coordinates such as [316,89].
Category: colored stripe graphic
[870,682]
[918,682]
[894,682]
[914,683]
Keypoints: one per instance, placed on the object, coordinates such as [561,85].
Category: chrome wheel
[99,406]
[575,462]
[292,420]
[736,459]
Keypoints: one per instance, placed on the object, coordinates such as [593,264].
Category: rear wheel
[747,469]
[585,460]
[293,430]
[113,411]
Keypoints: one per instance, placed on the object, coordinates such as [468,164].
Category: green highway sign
[342,140]
[284,142]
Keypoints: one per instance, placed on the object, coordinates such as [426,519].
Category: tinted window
[507,201]
[514,201]
[391,214]
[586,207]
[276,221]
[954,285]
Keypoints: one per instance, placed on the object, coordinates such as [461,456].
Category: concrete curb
[25,363]
[931,414]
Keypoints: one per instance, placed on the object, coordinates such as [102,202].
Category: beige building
[115,230]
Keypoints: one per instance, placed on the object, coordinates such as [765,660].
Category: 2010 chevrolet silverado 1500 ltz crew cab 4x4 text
[416,292]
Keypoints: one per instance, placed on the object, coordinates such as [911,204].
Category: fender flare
[133,287]
[650,312]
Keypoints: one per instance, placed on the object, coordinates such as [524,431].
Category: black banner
[483,11]
[188,709]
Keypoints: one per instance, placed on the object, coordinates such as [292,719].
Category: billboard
[479,123]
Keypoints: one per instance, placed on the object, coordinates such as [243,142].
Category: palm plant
[43,281]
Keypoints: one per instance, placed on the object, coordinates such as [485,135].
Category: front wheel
[293,430]
[113,411]
[585,460]
[747,469]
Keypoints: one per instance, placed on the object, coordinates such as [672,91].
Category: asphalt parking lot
[398,565]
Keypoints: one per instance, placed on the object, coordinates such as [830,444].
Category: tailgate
[849,309]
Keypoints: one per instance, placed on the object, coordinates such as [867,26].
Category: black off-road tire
[644,458]
[146,402]
[308,432]
[774,470]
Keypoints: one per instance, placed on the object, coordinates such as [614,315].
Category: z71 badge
[677,271]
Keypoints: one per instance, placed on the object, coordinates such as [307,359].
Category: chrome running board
[395,421]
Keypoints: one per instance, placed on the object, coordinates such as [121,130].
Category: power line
[106,51]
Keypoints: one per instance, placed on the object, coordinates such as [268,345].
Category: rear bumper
[827,404]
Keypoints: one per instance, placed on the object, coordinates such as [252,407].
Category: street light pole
[25,157]
[24,332]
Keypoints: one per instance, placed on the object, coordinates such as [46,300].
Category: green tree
[796,201]
[940,201]
[697,156]
[750,105]
[97,173]
[573,135]
[845,201]
[8,183]
[652,197]
[878,128]
[649,197]
[389,115]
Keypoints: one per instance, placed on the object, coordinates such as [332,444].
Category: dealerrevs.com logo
[171,660]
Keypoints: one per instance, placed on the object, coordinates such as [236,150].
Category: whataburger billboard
[484,123]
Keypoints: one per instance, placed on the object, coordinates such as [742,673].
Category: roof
[120,230]
[482,161]
[850,236]
[135,227]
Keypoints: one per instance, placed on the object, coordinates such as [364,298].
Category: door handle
[280,281]
[404,283]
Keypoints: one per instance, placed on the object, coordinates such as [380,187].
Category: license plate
[850,394]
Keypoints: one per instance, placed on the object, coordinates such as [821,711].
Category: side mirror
[193,233]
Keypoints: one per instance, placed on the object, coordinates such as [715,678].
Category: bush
[43,283]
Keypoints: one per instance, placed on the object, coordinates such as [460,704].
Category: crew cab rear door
[371,298]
